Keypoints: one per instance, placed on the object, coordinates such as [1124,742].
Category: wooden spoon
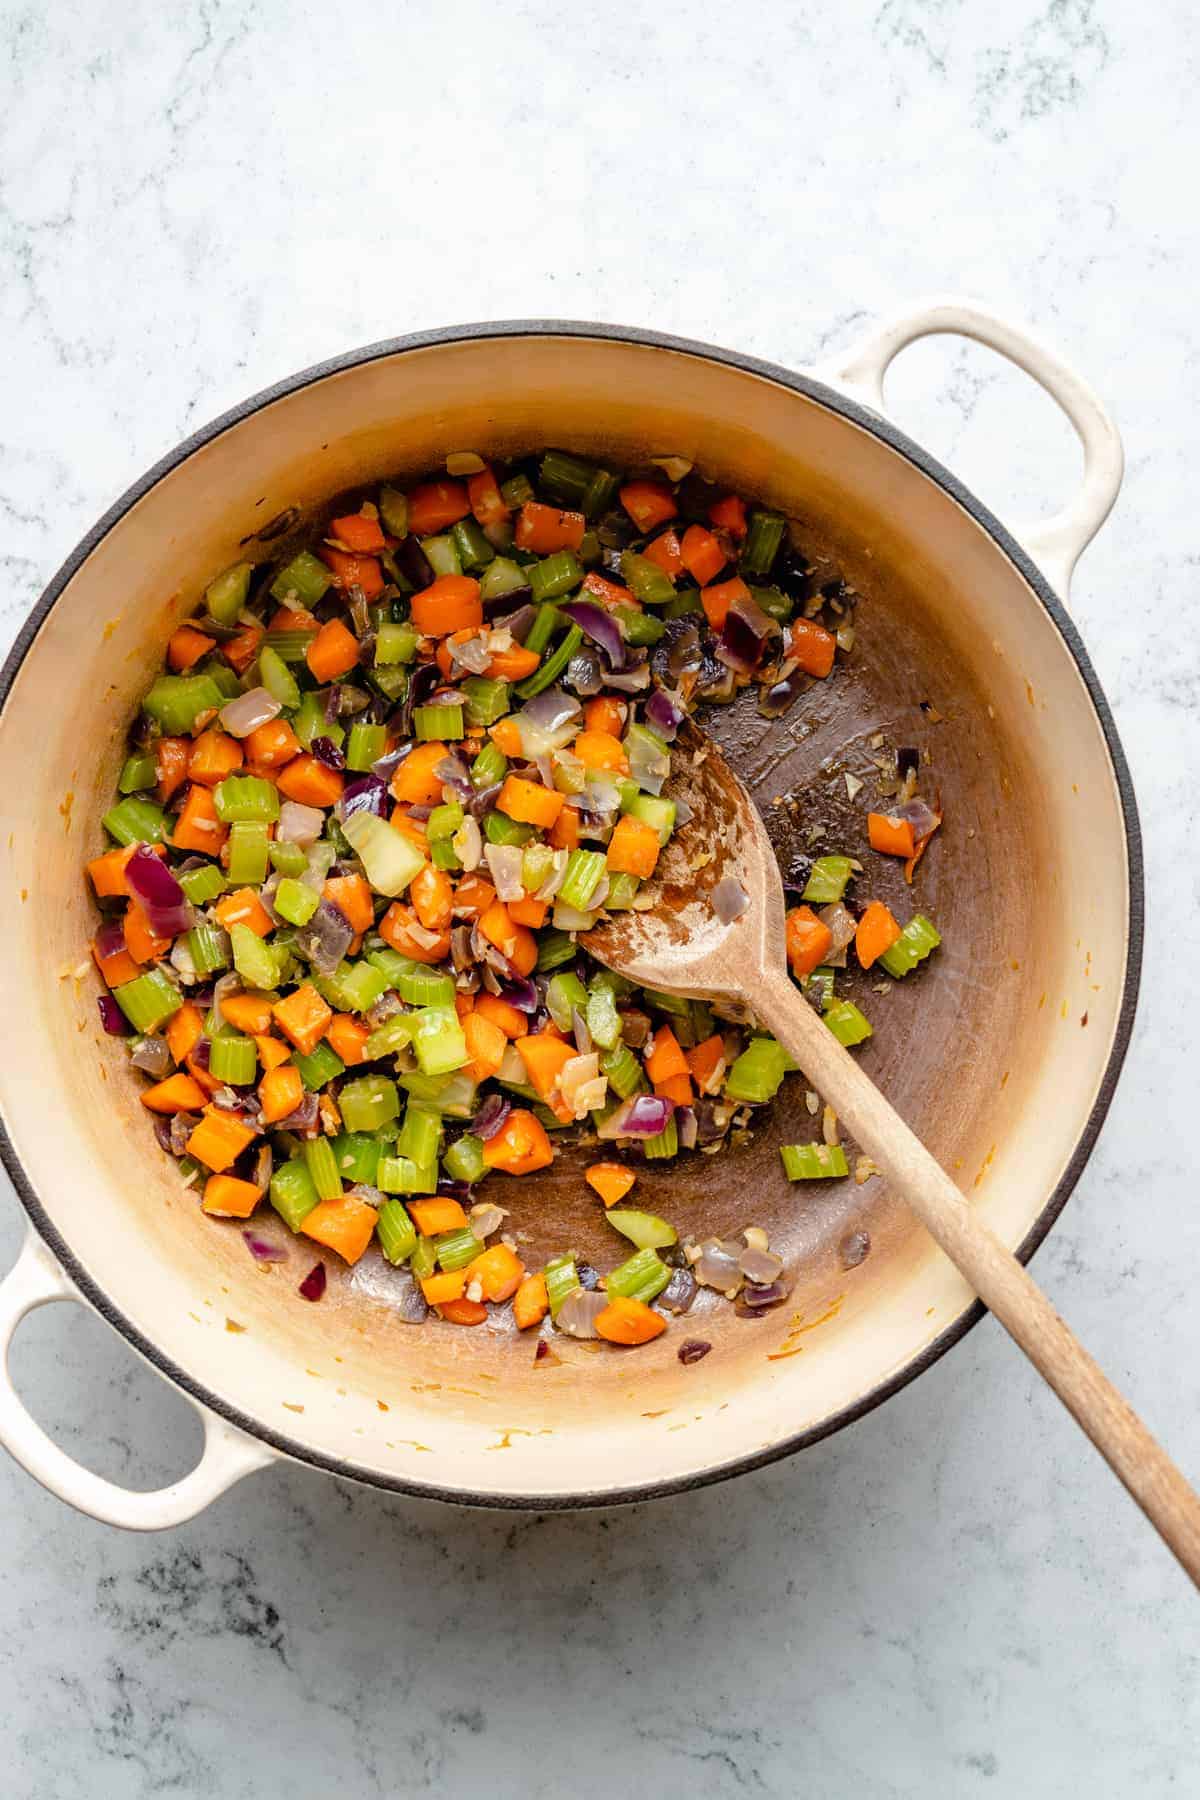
[681,946]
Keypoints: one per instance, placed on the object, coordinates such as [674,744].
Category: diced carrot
[201,1077]
[520,1146]
[664,1058]
[889,835]
[544,529]
[531,1302]
[600,750]
[808,940]
[271,1053]
[396,929]
[605,714]
[432,898]
[303,1018]
[706,1063]
[247,1012]
[716,600]
[633,848]
[486,1044]
[812,646]
[513,941]
[612,1181]
[449,603]
[506,735]
[463,1311]
[362,572]
[225,1197]
[511,1020]
[294,618]
[187,646]
[171,758]
[183,1030]
[240,651]
[877,932]
[626,1321]
[463,1003]
[486,500]
[473,895]
[919,848]
[446,1286]
[351,894]
[648,503]
[609,593]
[529,802]
[107,872]
[665,553]
[178,1093]
[333,652]
[499,1272]
[528,911]
[143,944]
[433,505]
[219,1139]
[281,1091]
[269,746]
[729,515]
[348,1036]
[702,555]
[564,834]
[198,827]
[243,907]
[677,1088]
[117,967]
[414,781]
[544,1057]
[310,783]
[214,755]
[514,664]
[442,655]
[345,1225]
[358,531]
[438,1213]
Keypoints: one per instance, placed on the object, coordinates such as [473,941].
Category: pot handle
[37,1280]
[1055,544]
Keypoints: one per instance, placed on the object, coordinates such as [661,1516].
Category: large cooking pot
[1003,1056]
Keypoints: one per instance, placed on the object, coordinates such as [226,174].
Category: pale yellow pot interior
[1011,1072]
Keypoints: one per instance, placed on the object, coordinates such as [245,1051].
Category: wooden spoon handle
[1001,1282]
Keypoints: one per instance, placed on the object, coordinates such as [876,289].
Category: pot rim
[889,434]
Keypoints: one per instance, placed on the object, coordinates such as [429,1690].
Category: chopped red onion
[246,712]
[224,988]
[685,1122]
[579,1311]
[366,794]
[920,815]
[629,681]
[744,637]
[717,1265]
[840,921]
[643,1116]
[299,824]
[327,752]
[326,938]
[601,627]
[453,772]
[413,563]
[517,622]
[161,898]
[680,1292]
[649,765]
[491,1116]
[664,714]
[755,1299]
[305,1116]
[580,1032]
[584,673]
[760,1266]
[261,1250]
[694,1351]
[110,939]
[182,1126]
[152,1057]
[729,899]
[522,994]
[549,713]
[313,1285]
[504,863]
[112,1018]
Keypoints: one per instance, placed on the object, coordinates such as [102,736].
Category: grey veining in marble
[953,1597]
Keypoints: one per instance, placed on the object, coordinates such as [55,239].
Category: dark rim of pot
[896,440]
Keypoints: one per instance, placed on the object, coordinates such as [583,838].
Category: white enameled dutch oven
[1003,1056]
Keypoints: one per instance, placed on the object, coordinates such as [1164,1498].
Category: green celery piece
[554,949]
[489,767]
[562,1278]
[582,877]
[288,859]
[278,679]
[148,1001]
[208,947]
[295,901]
[248,853]
[305,579]
[652,810]
[443,822]
[135,821]
[178,701]
[757,1073]
[395,644]
[310,721]
[546,621]
[643,1277]
[645,580]
[555,575]
[432,724]
[140,771]
[848,1025]
[367,744]
[368,1102]
[226,595]
[501,577]
[643,628]
[565,478]
[396,1231]
[293,1194]
[565,993]
[621,891]
[203,884]
[498,828]
[486,700]
[463,1161]
[438,1040]
[665,1144]
[321,1164]
[255,961]
[918,938]
[424,1258]
[393,511]
[827,881]
[553,667]
[390,859]
[233,1058]
[420,1136]
[353,987]
[455,1249]
[603,1019]
[442,554]
[319,1067]
[474,551]
[760,547]
[624,1071]
[246,797]
[357,1154]
[422,985]
[813,1162]
[644,1229]
[401,1175]
[388,1039]
[821,982]
[452,1095]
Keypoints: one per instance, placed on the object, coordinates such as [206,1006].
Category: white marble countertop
[953,1597]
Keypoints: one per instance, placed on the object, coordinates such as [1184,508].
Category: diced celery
[149,1000]
[393,511]
[624,1071]
[248,857]
[489,766]
[645,1229]
[603,1019]
[310,721]
[226,596]
[486,700]
[463,1161]
[664,1144]
[546,621]
[178,701]
[813,1162]
[498,828]
[293,1194]
[582,877]
[438,1040]
[401,1175]
[433,724]
[255,961]
[321,1164]
[353,987]
[233,1058]
[760,547]
[644,628]
[643,1277]
[474,551]
[503,576]
[453,1095]
[652,810]
[821,983]
[289,646]
[442,554]
[135,821]
[562,1278]
[757,1073]
[295,901]
[395,644]
[367,744]
[827,881]
[422,985]
[277,678]
[394,1035]
[455,1249]
[357,1154]
[555,575]
[368,1102]
[424,1258]
[396,1231]
[140,771]
[775,604]
[288,859]
[554,949]
[444,821]
[645,580]
[320,1066]
[553,666]
[246,797]
[390,859]
[208,946]
[305,579]
[203,884]
[918,938]
[565,993]
[621,891]
[848,1025]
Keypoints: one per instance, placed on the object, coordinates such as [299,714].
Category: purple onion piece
[261,1250]
[744,638]
[694,1351]
[112,1018]
[643,1116]
[663,714]
[423,681]
[246,712]
[152,1057]
[387,765]
[686,1125]
[326,938]
[519,620]
[450,1189]
[601,627]
[491,1116]
[327,752]
[629,681]
[410,1304]
[161,898]
[521,993]
[304,1118]
[110,939]
[550,710]
[584,674]
[729,899]
[754,1299]
[182,1127]
[162,1131]
[453,773]
[313,1285]
[367,794]
[680,1292]
[412,562]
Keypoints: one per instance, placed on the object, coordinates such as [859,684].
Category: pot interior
[996,1053]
